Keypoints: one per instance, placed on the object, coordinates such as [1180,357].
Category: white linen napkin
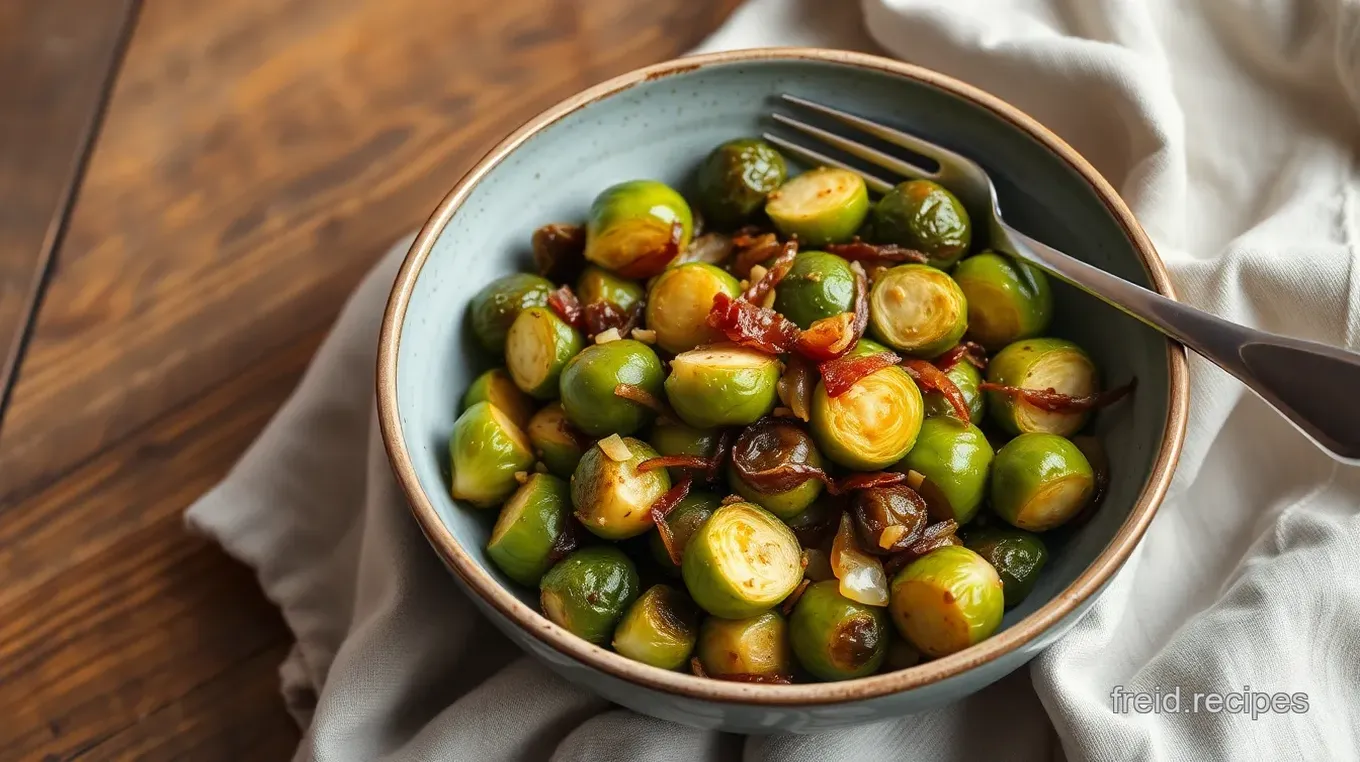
[1230,128]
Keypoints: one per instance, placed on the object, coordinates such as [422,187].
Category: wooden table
[167,271]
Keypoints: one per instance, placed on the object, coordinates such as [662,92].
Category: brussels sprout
[613,499]
[735,179]
[1039,481]
[1017,556]
[496,306]
[750,646]
[834,637]
[588,382]
[683,520]
[659,629]
[486,449]
[741,562]
[556,442]
[922,215]
[1040,364]
[537,349]
[722,385]
[819,285]
[599,285]
[630,228]
[675,438]
[947,600]
[496,386]
[901,654]
[521,542]
[967,378]
[824,205]
[771,444]
[888,519]
[1008,300]
[679,301]
[954,457]
[872,425]
[917,309]
[588,592]
[815,525]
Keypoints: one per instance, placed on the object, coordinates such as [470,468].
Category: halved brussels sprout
[872,425]
[821,206]
[679,301]
[597,284]
[675,438]
[755,646]
[947,600]
[588,592]
[1047,363]
[888,519]
[588,382]
[683,520]
[770,444]
[486,449]
[1018,557]
[496,386]
[819,285]
[496,306]
[834,637]
[556,442]
[660,628]
[531,521]
[1039,481]
[954,457]
[723,385]
[613,499]
[917,309]
[537,349]
[1008,300]
[967,378]
[735,179]
[922,215]
[741,562]
[630,228]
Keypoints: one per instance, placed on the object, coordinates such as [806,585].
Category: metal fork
[1315,386]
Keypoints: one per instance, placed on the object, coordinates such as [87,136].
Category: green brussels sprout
[765,446]
[917,309]
[922,215]
[588,382]
[967,378]
[521,542]
[815,525]
[822,206]
[496,306]
[1039,481]
[683,520]
[722,385]
[486,448]
[735,178]
[675,438]
[1008,300]
[537,349]
[660,628]
[630,229]
[613,498]
[679,301]
[599,285]
[755,646]
[1018,557]
[834,637]
[496,386]
[557,443]
[1055,364]
[741,562]
[872,425]
[946,601]
[588,592]
[888,519]
[818,286]
[901,654]
[954,457]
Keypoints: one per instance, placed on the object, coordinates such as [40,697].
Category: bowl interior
[661,128]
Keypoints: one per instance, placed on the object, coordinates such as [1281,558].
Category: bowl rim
[1110,559]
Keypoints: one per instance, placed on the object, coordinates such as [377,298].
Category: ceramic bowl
[659,122]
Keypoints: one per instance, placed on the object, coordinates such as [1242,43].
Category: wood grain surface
[255,158]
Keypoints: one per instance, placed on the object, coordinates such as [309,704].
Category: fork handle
[1315,386]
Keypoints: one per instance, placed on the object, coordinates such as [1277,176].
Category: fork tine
[887,134]
[876,184]
[871,155]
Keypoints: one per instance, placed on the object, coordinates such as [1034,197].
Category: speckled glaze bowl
[659,122]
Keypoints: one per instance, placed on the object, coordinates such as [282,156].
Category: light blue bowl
[658,123]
